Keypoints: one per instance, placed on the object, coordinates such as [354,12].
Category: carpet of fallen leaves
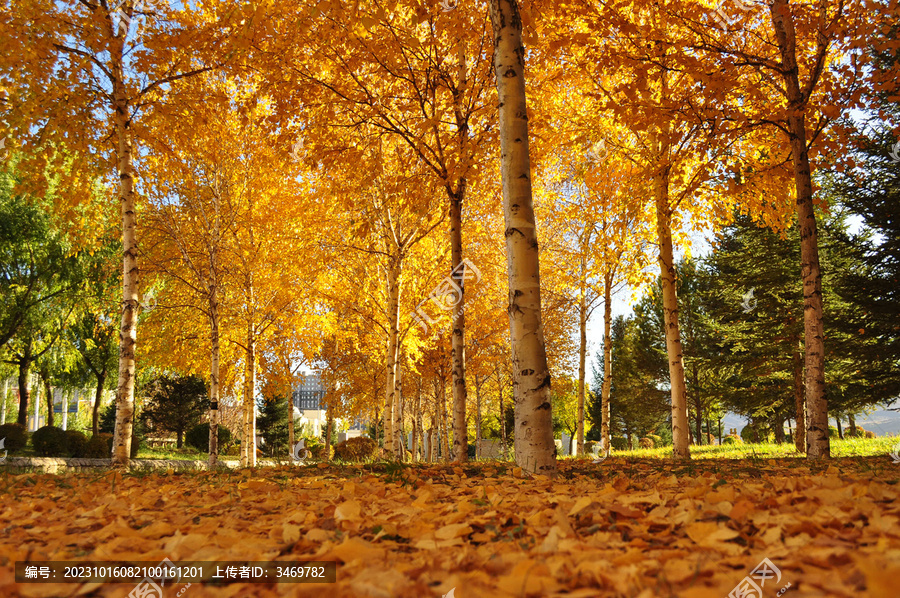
[644,529]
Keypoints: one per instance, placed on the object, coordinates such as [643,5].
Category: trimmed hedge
[356,449]
[99,447]
[198,437]
[50,441]
[78,444]
[15,437]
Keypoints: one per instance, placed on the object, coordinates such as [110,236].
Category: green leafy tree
[175,404]
[272,424]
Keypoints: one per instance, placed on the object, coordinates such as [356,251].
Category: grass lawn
[850,447]
[627,527]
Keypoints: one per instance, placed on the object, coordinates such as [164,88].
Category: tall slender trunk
[818,446]
[607,360]
[98,398]
[531,378]
[852,421]
[840,428]
[128,331]
[5,397]
[698,403]
[36,415]
[582,358]
[680,432]
[214,378]
[502,417]
[24,363]
[799,404]
[399,443]
[393,341]
[66,398]
[445,427]
[329,429]
[291,413]
[478,417]
[417,419]
[250,398]
[458,337]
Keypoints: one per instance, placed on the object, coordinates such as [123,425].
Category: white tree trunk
[607,362]
[128,330]
[680,431]
[531,378]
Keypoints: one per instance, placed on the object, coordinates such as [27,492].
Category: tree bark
[24,363]
[852,421]
[778,424]
[698,404]
[607,361]
[98,398]
[478,417]
[818,446]
[799,404]
[214,378]
[249,441]
[329,429]
[458,338]
[445,427]
[531,378]
[582,357]
[393,341]
[5,396]
[128,330]
[417,420]
[680,433]
[840,428]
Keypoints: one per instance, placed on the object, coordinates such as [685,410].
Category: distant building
[308,399]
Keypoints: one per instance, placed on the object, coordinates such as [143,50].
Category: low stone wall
[58,465]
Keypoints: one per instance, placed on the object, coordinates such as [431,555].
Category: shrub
[857,433]
[657,440]
[198,437]
[832,432]
[757,433]
[15,437]
[355,449]
[619,443]
[78,443]
[50,441]
[317,451]
[647,443]
[732,440]
[99,447]
[870,434]
[589,447]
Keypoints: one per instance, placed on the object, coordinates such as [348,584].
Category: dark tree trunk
[48,390]
[778,423]
[24,385]
[839,427]
[180,442]
[852,420]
